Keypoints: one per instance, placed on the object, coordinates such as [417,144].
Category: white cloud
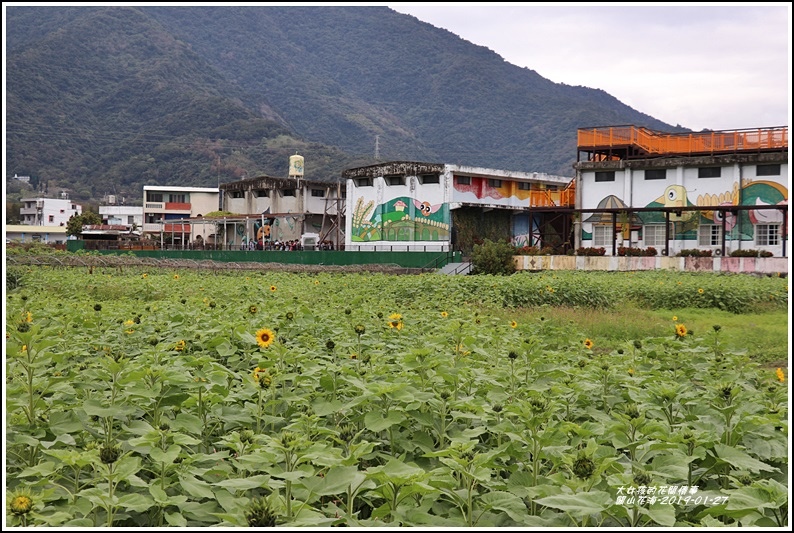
[717,66]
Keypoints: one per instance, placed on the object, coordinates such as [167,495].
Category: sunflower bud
[259,514]
[109,454]
[583,466]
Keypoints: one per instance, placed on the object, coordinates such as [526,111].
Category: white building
[654,189]
[162,204]
[403,205]
[126,215]
[48,211]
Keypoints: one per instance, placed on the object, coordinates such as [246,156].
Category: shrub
[751,253]
[636,252]
[694,252]
[590,251]
[493,258]
[532,250]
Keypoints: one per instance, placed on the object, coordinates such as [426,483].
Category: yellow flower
[21,504]
[680,330]
[180,345]
[588,344]
[444,314]
[28,317]
[675,318]
[144,276]
[262,377]
[176,276]
[24,348]
[265,337]
[128,322]
[700,291]
[395,316]
[252,309]
[631,371]
[353,356]
[396,321]
[781,377]
[513,324]
[316,282]
[272,288]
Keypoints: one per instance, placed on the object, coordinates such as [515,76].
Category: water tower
[296,167]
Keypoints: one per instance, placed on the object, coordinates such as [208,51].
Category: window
[494,183]
[318,193]
[605,175]
[767,234]
[463,180]
[288,192]
[395,180]
[178,198]
[654,235]
[602,236]
[709,235]
[429,178]
[154,196]
[709,172]
[656,174]
[63,211]
[524,186]
[237,194]
[364,182]
[52,218]
[767,170]
[262,193]
[130,219]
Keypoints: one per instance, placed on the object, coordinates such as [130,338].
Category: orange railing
[658,143]
[547,198]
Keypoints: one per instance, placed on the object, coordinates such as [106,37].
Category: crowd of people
[287,246]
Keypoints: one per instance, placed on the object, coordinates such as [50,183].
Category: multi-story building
[124,215]
[714,190]
[165,208]
[404,205]
[48,211]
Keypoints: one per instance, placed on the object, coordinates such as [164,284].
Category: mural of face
[426,208]
[675,196]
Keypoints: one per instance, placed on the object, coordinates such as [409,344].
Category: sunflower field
[145,397]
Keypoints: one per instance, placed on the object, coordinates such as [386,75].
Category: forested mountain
[107,99]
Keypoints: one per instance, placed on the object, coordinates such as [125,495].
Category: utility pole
[377,148]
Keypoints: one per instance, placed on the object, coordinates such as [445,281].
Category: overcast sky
[700,65]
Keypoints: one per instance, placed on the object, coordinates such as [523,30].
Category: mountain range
[106,99]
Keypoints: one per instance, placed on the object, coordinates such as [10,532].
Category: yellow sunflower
[144,276]
[272,288]
[265,337]
[176,276]
[680,330]
[444,314]
[588,344]
[180,345]
[781,377]
[675,318]
[513,324]
[700,291]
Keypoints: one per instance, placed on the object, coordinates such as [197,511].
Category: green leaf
[167,457]
[581,504]
[375,422]
[135,502]
[751,497]
[740,460]
[247,483]
[505,501]
[175,519]
[196,488]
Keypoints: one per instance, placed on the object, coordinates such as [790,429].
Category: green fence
[429,260]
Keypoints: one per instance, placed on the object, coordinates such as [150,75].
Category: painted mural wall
[409,213]
[679,187]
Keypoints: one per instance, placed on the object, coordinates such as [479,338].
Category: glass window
[709,172]
[154,196]
[709,235]
[602,236]
[262,193]
[288,192]
[654,235]
[178,198]
[494,183]
[463,180]
[767,234]
[364,182]
[767,170]
[605,175]
[395,180]
[524,185]
[318,193]
[656,174]
[429,178]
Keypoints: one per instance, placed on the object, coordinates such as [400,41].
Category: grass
[762,335]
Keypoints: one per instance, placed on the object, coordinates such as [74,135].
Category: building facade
[124,215]
[48,211]
[403,205]
[165,208]
[283,210]
[709,191]
[22,233]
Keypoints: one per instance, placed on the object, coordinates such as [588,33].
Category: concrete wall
[746,265]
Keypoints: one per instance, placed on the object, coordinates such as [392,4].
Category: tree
[493,257]
[74,226]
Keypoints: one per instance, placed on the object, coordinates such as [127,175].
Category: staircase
[455,269]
